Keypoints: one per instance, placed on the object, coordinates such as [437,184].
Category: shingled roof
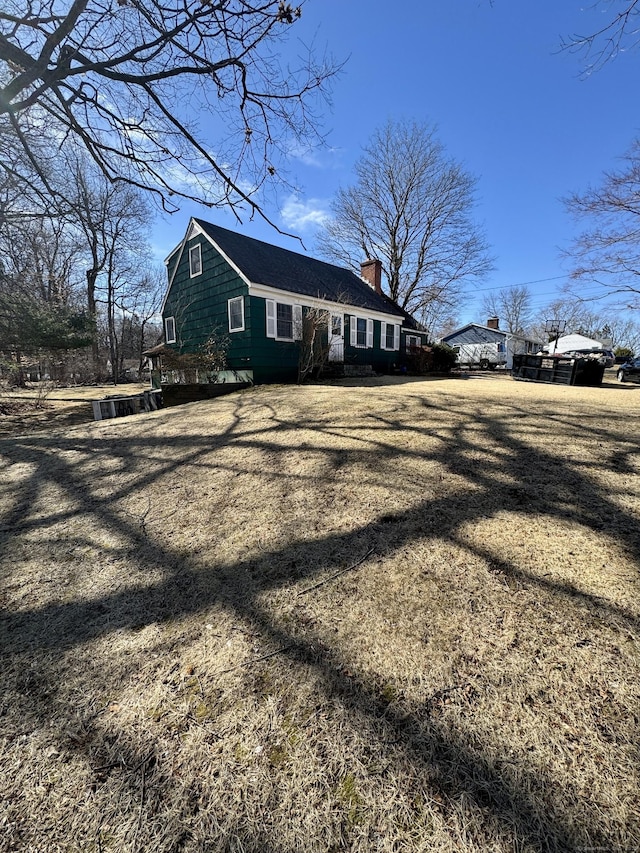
[262,263]
[474,333]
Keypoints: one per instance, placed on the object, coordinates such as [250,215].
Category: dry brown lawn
[386,616]
[47,407]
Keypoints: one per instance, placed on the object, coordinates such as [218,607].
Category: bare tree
[41,316]
[619,33]
[128,81]
[314,342]
[440,316]
[570,316]
[512,305]
[22,193]
[88,260]
[608,251]
[564,314]
[410,207]
[139,312]
[41,255]
[625,333]
[112,219]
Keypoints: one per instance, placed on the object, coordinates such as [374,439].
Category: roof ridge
[274,266]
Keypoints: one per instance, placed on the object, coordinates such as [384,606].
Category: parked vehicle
[629,371]
[486,356]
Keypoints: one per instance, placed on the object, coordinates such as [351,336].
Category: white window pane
[390,336]
[195,260]
[236,314]
[361,332]
[284,321]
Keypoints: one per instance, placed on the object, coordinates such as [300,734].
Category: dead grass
[196,656]
[42,407]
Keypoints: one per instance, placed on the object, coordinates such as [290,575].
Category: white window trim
[353,332]
[195,251]
[236,299]
[383,336]
[416,338]
[169,339]
[272,319]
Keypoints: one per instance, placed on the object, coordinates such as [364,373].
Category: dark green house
[259,295]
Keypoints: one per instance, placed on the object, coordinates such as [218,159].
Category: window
[361,333]
[170,330]
[413,341]
[236,314]
[195,260]
[284,321]
[390,339]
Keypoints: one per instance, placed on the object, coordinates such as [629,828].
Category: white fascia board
[268,292]
[179,248]
[171,254]
[512,336]
[233,266]
[193,230]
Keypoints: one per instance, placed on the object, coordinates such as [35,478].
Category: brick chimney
[371,272]
[493,323]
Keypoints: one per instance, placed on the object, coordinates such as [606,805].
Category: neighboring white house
[568,343]
[488,346]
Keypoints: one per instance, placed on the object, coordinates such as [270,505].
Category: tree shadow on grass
[539,485]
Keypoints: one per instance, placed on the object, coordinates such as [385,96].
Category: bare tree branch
[513,306]
[620,33]
[608,250]
[411,208]
[130,81]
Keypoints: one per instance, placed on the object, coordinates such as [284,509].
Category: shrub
[437,358]
[444,358]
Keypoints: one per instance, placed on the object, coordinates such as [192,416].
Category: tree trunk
[92,276]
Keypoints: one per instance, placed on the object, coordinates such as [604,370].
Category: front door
[336,338]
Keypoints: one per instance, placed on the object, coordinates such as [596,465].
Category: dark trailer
[561,370]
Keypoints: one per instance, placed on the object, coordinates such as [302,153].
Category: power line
[520,284]
[542,296]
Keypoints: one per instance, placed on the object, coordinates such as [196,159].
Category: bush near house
[623,354]
[435,358]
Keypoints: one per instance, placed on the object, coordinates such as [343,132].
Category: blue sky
[508,104]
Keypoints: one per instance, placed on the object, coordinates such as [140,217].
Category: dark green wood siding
[271,360]
[199,304]
[382,361]
[422,336]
